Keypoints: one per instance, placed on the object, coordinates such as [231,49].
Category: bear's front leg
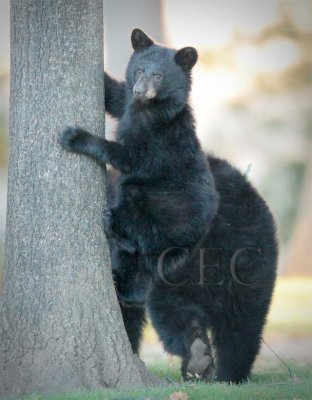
[103,151]
[80,141]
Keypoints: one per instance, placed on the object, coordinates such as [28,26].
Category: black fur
[233,307]
[166,196]
[134,317]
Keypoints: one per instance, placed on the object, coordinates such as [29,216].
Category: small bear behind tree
[212,231]
[166,196]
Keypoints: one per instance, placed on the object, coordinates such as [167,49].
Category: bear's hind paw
[199,364]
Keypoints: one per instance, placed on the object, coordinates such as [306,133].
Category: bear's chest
[145,146]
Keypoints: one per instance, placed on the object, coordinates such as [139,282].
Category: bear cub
[166,193]
[165,197]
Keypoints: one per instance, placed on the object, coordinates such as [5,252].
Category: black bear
[166,194]
[213,233]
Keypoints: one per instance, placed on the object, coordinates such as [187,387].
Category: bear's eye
[140,71]
[157,76]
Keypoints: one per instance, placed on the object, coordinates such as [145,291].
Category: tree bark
[60,323]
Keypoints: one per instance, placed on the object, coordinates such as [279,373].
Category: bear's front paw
[73,139]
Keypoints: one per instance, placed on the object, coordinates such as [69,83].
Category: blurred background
[252,97]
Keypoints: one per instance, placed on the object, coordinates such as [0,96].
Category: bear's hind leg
[134,319]
[181,332]
[237,345]
[198,361]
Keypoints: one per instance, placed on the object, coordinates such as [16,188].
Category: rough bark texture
[60,324]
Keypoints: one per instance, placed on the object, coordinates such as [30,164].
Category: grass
[271,385]
[290,318]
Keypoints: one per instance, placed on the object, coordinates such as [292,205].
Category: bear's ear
[140,40]
[186,58]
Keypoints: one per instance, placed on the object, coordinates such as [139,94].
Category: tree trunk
[60,324]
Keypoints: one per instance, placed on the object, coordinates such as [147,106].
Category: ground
[288,332]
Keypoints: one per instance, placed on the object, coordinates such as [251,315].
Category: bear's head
[157,73]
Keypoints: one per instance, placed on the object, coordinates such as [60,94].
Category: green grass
[270,380]
[271,385]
